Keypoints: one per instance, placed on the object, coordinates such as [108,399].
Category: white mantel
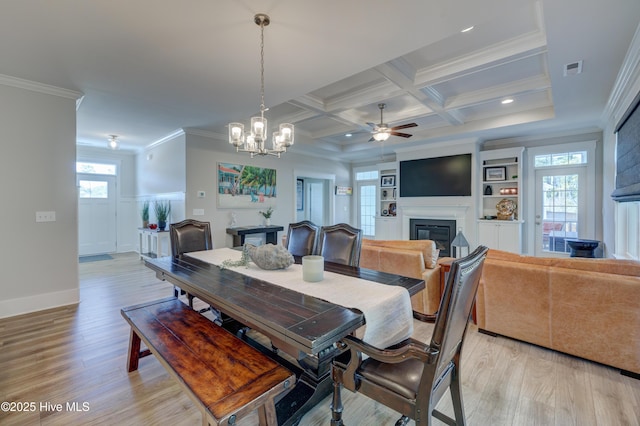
[458,212]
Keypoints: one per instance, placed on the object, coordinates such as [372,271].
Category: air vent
[573,68]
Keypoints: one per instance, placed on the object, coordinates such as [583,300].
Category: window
[561,159]
[367,175]
[93,189]
[95,168]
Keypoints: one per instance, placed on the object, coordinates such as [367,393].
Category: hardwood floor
[78,355]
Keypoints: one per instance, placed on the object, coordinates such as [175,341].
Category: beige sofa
[411,258]
[589,308]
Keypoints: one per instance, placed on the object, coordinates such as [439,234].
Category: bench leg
[134,352]
[267,413]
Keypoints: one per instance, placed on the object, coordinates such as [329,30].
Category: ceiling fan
[382,131]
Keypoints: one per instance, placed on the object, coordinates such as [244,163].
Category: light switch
[198,212]
[201,194]
[45,216]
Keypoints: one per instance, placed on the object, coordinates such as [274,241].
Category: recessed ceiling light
[507,101]
[466,30]
[348,135]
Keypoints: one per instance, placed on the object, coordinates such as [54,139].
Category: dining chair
[412,377]
[340,243]
[302,238]
[187,236]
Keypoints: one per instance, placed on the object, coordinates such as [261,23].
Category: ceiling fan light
[381,136]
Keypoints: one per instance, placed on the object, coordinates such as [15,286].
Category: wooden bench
[223,375]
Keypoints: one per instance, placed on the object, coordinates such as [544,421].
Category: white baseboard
[38,302]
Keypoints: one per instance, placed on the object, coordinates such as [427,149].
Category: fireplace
[441,231]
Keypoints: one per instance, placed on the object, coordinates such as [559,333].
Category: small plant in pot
[145,214]
[267,215]
[163,210]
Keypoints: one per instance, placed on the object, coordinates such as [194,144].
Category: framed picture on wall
[388,180]
[299,194]
[244,186]
[495,173]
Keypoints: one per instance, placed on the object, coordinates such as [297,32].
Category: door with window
[96,214]
[560,208]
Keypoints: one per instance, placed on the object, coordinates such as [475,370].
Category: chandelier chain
[262,106]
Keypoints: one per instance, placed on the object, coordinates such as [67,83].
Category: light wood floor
[77,354]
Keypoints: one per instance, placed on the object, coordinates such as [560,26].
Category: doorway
[314,201]
[96,214]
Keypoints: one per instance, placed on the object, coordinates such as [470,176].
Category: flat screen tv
[436,177]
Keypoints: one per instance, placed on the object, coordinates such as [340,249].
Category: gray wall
[204,153]
[39,261]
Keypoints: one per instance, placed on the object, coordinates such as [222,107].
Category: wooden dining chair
[412,377]
[302,238]
[340,243]
[188,236]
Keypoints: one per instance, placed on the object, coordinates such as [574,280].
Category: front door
[96,214]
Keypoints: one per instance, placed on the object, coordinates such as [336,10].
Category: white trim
[169,137]
[39,302]
[39,87]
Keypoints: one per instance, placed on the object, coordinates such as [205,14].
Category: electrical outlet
[45,216]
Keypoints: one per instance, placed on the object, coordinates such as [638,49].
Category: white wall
[204,153]
[39,261]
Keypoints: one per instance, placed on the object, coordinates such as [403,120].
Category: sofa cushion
[427,247]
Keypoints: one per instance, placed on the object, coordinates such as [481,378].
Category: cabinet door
[488,235]
[509,237]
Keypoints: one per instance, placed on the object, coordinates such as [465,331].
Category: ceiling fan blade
[371,140]
[373,126]
[402,135]
[404,126]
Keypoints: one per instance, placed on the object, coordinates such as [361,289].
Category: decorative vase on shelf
[162,225]
[267,221]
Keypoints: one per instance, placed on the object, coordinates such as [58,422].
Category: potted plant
[163,210]
[267,215]
[145,214]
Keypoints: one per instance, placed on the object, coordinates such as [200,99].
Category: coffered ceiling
[150,68]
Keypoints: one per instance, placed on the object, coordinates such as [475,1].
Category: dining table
[302,321]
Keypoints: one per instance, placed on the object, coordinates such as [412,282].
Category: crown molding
[39,87]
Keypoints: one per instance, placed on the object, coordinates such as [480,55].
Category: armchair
[413,376]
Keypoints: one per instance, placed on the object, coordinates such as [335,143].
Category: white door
[367,208]
[316,202]
[96,214]
[560,208]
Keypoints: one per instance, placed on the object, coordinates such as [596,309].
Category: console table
[154,239]
[239,232]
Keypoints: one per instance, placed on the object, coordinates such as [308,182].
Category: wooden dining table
[304,327]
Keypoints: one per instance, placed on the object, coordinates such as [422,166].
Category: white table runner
[387,309]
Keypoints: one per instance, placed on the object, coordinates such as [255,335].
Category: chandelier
[255,141]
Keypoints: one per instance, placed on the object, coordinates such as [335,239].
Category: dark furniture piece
[302,238]
[302,326]
[582,248]
[187,236]
[412,377]
[340,243]
[224,376]
[240,232]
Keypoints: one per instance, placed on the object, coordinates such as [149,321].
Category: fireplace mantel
[447,212]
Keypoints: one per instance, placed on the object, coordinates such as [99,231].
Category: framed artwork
[299,194]
[344,190]
[388,180]
[241,186]
[495,173]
